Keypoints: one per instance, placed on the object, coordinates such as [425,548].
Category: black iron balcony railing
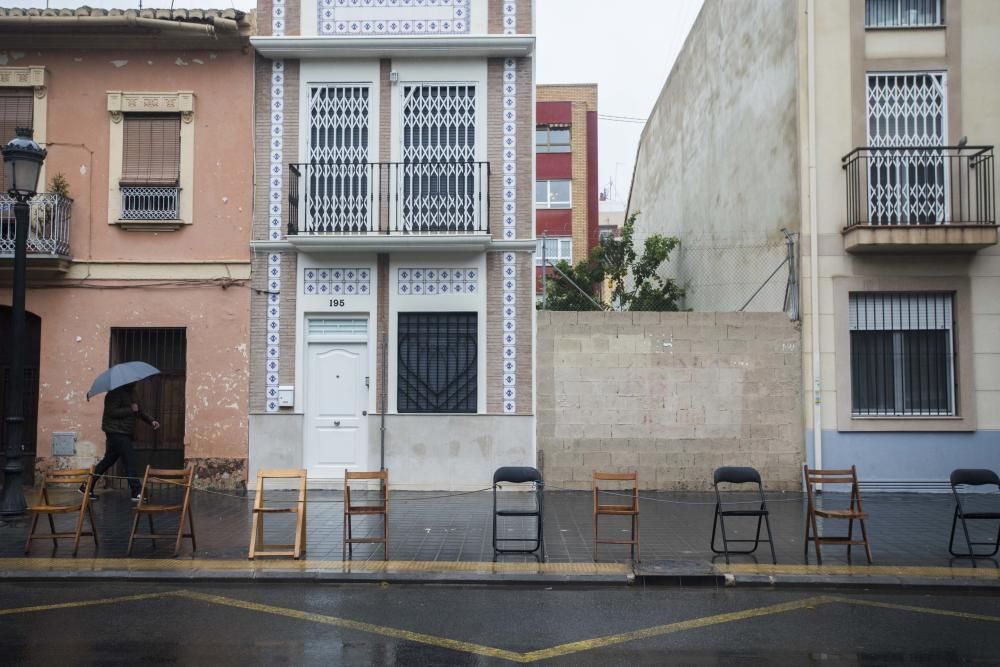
[422,198]
[941,185]
[48,225]
[150,202]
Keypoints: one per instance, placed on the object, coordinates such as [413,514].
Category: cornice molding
[25,77]
[121,102]
[385,46]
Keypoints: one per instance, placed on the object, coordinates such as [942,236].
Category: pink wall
[222,82]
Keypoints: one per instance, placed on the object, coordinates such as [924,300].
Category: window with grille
[902,354]
[16,110]
[556,250]
[552,139]
[903,13]
[151,165]
[338,186]
[438,362]
[439,150]
[907,110]
[553,194]
[161,396]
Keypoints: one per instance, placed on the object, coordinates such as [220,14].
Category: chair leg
[638,554]
[152,530]
[770,538]
[850,536]
[816,541]
[79,529]
[385,536]
[343,538]
[253,534]
[715,522]
[31,533]
[595,536]
[864,535]
[93,526]
[968,540]
[180,535]
[52,529]
[194,546]
[131,535]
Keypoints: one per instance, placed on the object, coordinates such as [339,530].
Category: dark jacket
[118,415]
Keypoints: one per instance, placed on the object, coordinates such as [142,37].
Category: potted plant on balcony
[43,214]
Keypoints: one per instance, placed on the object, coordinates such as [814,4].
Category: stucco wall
[671,395]
[717,163]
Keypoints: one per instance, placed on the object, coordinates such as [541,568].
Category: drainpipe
[817,416]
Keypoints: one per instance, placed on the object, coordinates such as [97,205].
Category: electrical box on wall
[63,444]
[286,396]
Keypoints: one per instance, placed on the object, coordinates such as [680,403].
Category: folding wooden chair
[73,478]
[740,475]
[853,513]
[973,477]
[380,508]
[298,508]
[169,478]
[629,509]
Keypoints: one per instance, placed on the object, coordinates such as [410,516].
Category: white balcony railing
[48,225]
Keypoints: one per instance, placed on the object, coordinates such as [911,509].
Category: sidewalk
[447,537]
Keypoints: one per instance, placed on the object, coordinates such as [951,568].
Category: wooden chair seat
[380,508]
[156,477]
[630,509]
[257,545]
[854,512]
[75,478]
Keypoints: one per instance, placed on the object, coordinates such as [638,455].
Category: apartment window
[16,110]
[553,194]
[556,250]
[151,166]
[438,362]
[903,13]
[902,354]
[552,139]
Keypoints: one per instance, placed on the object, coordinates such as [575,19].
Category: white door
[336,408]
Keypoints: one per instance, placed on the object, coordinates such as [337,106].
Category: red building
[566,164]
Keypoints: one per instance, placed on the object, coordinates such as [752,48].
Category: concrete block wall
[671,395]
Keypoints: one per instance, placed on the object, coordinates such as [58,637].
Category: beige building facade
[867,128]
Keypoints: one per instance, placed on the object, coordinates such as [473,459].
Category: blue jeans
[119,446]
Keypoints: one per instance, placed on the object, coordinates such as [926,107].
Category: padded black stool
[519,475]
[972,477]
[740,475]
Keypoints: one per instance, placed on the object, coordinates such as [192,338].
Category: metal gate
[161,396]
[33,339]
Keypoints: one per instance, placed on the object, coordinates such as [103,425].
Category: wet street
[278,624]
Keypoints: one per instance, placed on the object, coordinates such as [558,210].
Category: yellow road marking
[864,570]
[659,630]
[920,610]
[441,642]
[80,603]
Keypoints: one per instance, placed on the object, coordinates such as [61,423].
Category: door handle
[336,423]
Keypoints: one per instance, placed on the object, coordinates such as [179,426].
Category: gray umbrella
[120,375]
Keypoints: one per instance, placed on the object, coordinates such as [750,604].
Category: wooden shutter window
[16,110]
[151,154]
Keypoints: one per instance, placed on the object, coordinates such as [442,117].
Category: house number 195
[336,303]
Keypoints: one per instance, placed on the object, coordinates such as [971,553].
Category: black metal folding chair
[740,475]
[519,475]
[972,477]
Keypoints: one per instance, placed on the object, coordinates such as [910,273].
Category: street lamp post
[22,162]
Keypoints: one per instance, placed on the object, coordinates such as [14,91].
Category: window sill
[955,423]
[150,225]
[898,28]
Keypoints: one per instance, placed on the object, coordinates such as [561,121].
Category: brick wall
[672,395]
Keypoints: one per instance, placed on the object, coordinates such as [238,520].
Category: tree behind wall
[634,279]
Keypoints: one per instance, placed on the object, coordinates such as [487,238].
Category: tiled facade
[308,316]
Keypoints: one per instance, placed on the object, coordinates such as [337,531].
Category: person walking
[121,409]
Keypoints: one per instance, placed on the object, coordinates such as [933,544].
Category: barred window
[552,139]
[903,13]
[438,362]
[902,354]
[16,110]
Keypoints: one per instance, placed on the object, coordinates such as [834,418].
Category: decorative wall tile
[337,281]
[437,280]
[393,17]
[275,194]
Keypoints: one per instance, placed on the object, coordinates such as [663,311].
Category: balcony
[920,199]
[48,235]
[389,205]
